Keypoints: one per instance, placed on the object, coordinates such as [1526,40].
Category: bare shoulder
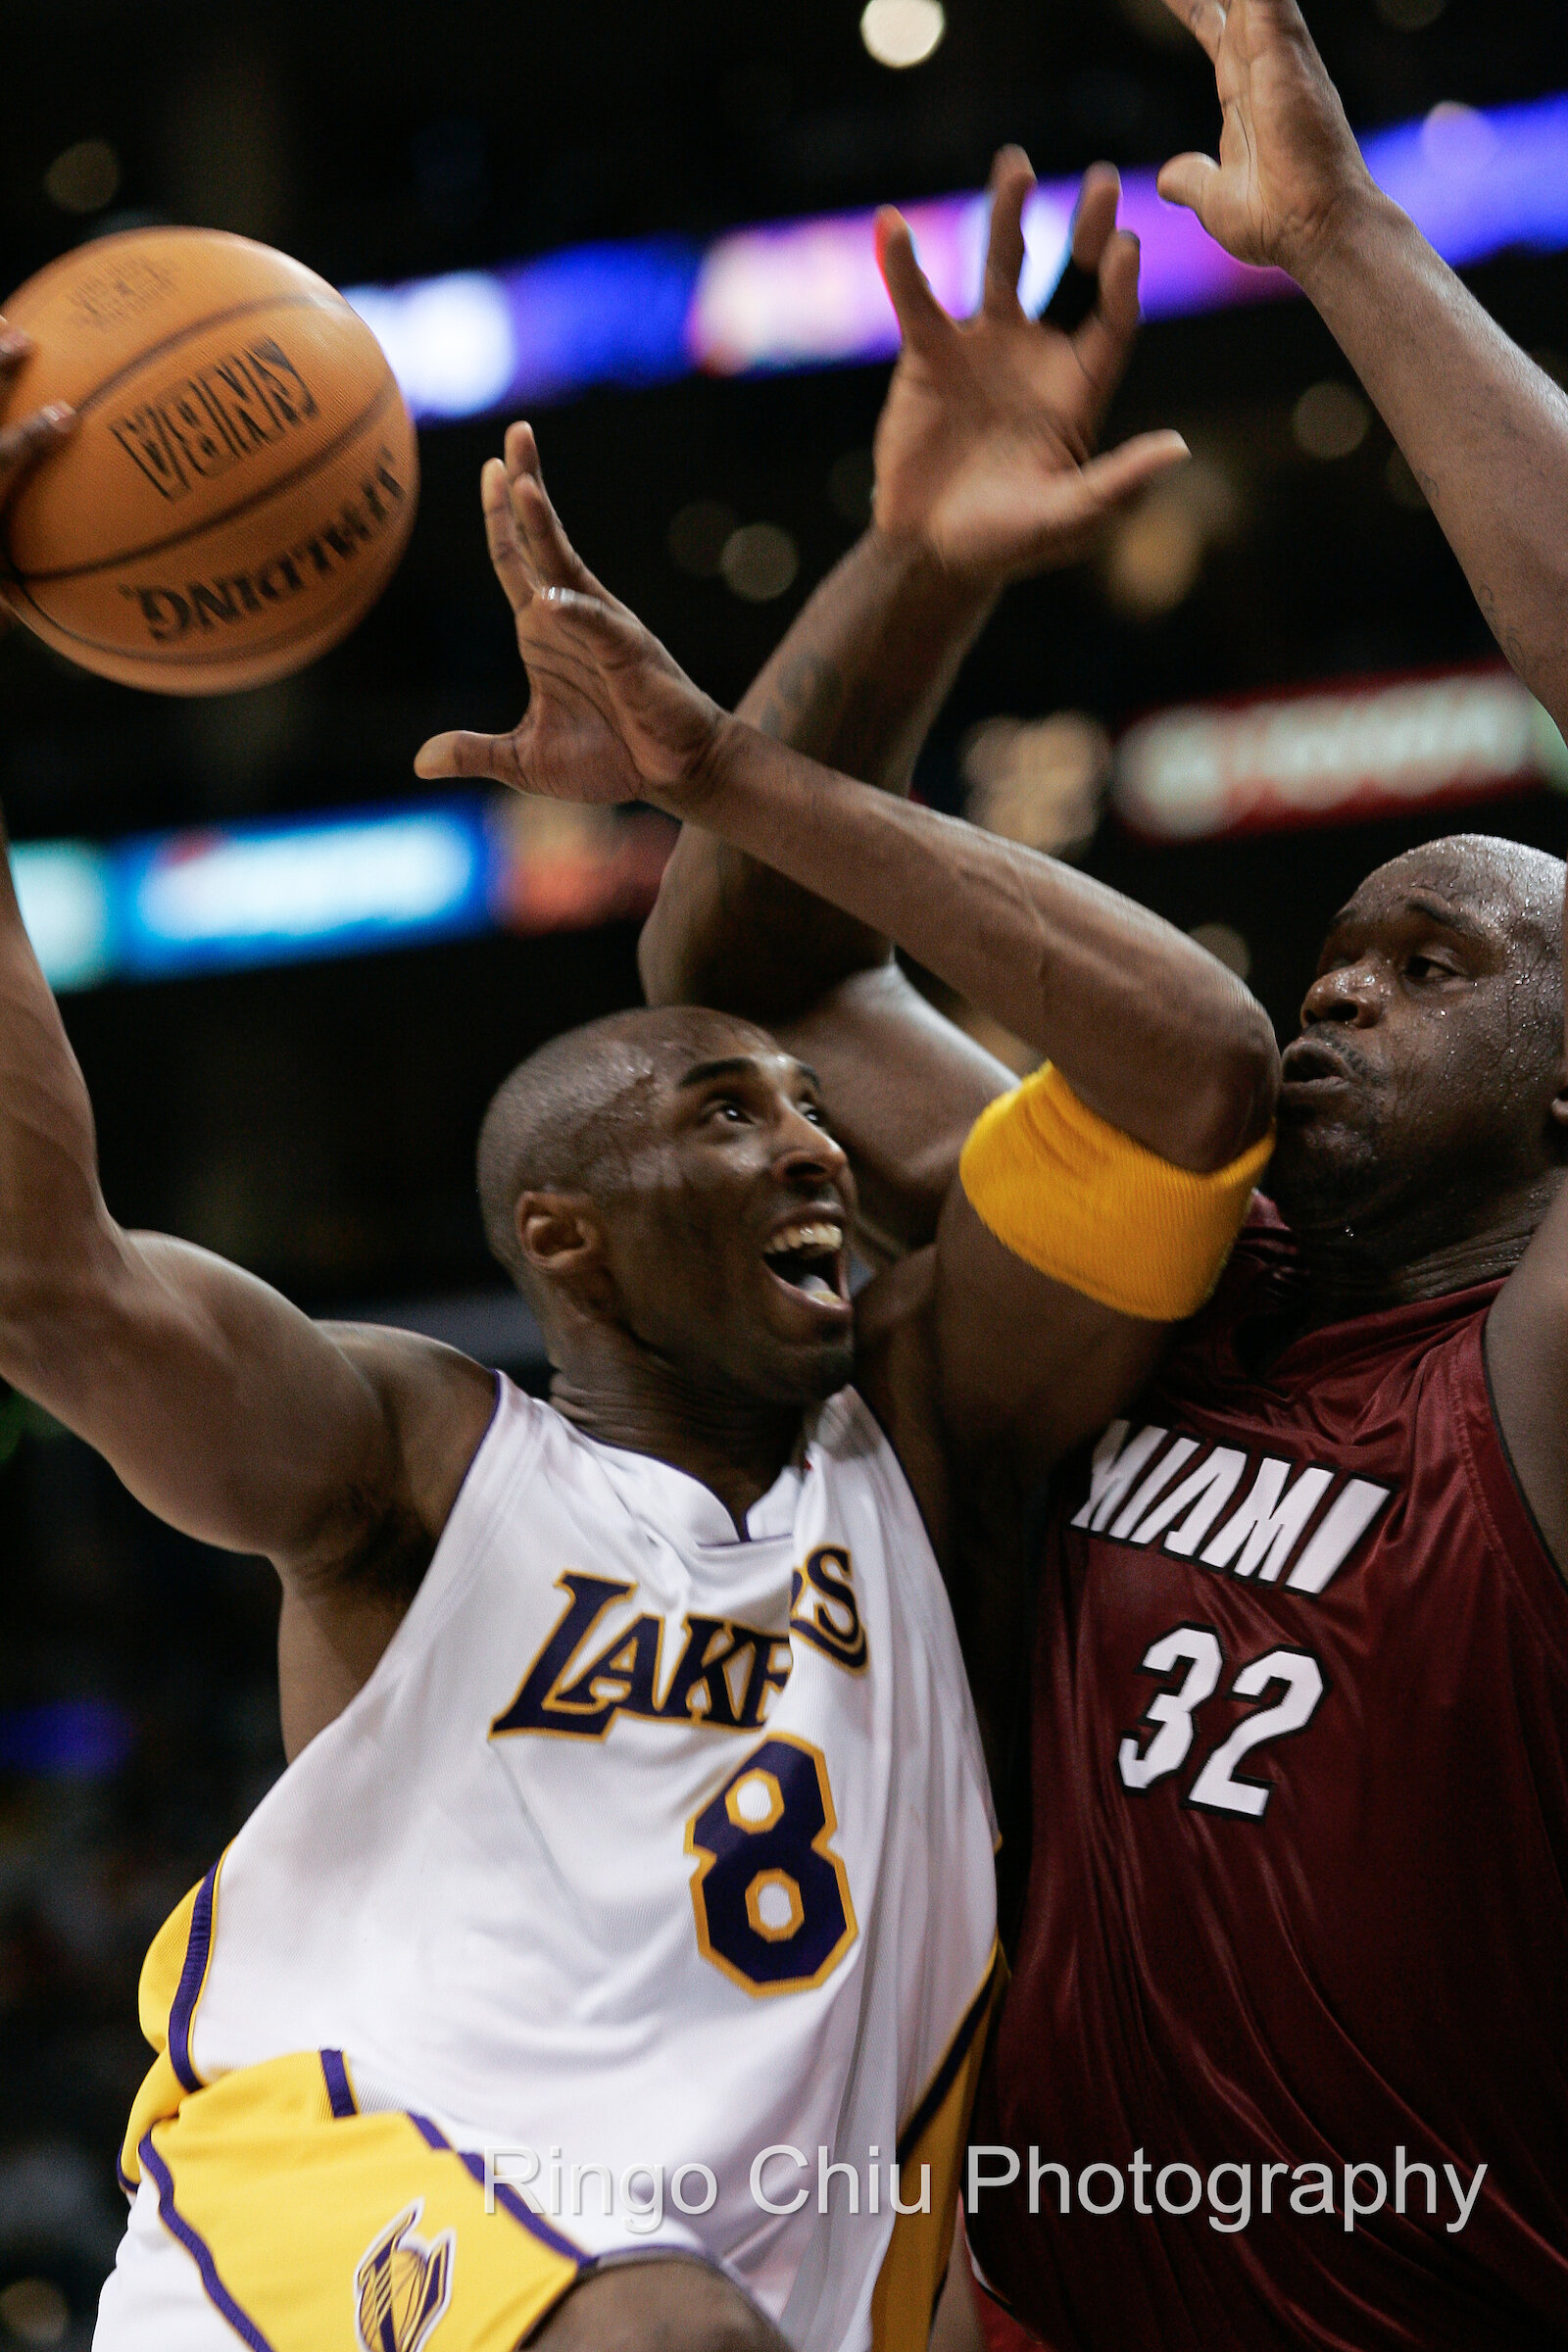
[339,1615]
[438,1405]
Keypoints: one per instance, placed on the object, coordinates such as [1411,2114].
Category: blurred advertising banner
[1328,754]
[225,896]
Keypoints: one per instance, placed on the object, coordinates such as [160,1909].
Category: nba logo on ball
[401,2285]
[243,475]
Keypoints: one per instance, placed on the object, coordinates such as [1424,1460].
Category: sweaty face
[729,1244]
[1429,1050]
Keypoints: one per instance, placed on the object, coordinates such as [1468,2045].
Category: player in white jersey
[636,1823]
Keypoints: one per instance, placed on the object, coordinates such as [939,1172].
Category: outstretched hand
[984,446]
[611,718]
[1288,157]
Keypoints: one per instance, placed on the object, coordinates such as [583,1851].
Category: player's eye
[1427,967]
[728,1108]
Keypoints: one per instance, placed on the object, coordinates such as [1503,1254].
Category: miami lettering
[1259,1516]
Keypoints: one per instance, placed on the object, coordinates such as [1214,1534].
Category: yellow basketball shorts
[312,2227]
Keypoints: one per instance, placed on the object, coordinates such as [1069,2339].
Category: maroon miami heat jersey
[1298,1886]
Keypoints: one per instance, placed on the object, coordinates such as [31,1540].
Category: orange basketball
[243,477]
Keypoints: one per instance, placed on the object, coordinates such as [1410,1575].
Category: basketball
[243,475]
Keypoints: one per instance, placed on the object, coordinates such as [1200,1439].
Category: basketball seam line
[197,327]
[207,660]
[213,522]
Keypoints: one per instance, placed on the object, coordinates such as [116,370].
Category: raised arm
[223,1408]
[1151,1032]
[1485,431]
[984,472]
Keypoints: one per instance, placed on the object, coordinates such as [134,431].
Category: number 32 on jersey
[770,1896]
[1191,1660]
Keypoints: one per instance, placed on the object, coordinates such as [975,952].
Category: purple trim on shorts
[192,1976]
[339,2089]
[199,2251]
[945,2074]
[125,2178]
[507,2199]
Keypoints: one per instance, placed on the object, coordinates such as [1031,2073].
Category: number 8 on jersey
[771,1898]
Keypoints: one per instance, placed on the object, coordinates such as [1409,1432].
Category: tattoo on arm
[806,699]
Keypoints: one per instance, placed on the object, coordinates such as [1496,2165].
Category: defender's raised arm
[1484,429]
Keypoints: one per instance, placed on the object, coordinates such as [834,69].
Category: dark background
[317,1122]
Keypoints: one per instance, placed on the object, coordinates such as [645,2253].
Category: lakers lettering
[598,1664]
[205,423]
[240,595]
[823,1609]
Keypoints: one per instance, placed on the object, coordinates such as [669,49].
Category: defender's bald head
[1518,887]
[566,1119]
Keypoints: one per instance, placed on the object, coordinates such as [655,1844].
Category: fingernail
[58,412]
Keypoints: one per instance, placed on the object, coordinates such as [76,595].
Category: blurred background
[1270,677]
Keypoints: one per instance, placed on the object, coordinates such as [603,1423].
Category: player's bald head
[568,1118]
[1518,887]
[1427,1088]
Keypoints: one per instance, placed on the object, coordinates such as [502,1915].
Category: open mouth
[1306,1063]
[809,1257]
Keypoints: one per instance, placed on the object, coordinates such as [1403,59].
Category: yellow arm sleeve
[1084,1203]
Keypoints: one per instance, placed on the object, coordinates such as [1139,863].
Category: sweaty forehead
[1502,889]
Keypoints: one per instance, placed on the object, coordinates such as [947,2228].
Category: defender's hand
[1288,157]
[983,448]
[610,716]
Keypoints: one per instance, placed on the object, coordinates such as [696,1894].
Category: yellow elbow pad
[1084,1203]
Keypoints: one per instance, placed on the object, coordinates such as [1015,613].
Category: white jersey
[644,1846]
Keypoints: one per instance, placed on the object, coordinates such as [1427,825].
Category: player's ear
[562,1236]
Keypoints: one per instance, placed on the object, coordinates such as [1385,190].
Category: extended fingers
[550,551]
[1105,339]
[22,444]
[31,437]
[1094,220]
[507,551]
[923,320]
[1204,20]
[15,345]
[1011,180]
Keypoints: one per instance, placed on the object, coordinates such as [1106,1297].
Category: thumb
[1189,179]
[1119,475]
[459,753]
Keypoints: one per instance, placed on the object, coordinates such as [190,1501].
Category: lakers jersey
[651,1873]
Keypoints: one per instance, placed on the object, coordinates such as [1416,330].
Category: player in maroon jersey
[1285,2060]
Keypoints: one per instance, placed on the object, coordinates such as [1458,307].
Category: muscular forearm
[856,683]
[1150,1031]
[1484,429]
